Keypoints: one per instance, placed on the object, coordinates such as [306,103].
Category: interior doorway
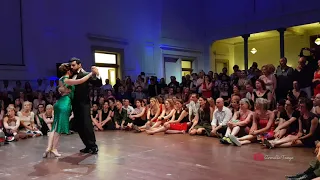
[220,64]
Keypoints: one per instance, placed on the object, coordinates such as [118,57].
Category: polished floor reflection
[130,156]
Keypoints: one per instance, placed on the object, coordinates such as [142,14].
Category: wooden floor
[130,156]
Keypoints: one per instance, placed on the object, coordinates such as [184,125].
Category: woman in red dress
[179,122]
[316,81]
[206,86]
[262,124]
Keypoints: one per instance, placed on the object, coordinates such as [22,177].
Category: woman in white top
[26,117]
[270,80]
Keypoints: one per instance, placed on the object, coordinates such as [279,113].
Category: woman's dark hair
[263,84]
[307,102]
[282,102]
[64,68]
[206,108]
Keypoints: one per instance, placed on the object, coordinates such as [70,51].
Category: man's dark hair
[77,60]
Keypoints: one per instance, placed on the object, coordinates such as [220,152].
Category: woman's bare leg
[56,138]
[50,144]
[160,129]
[235,130]
[175,132]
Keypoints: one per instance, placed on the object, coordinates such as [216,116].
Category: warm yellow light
[317,41]
[254,50]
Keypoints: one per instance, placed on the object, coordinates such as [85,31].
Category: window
[186,67]
[105,58]
[107,65]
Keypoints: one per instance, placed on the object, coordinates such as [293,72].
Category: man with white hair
[221,116]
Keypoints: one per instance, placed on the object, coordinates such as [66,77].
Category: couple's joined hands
[94,70]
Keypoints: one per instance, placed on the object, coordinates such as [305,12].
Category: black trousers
[83,124]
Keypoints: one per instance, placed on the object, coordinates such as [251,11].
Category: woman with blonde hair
[26,116]
[262,125]
[11,125]
[48,116]
[238,126]
[152,113]
[270,80]
[166,113]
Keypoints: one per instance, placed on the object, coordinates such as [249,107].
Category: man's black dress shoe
[85,150]
[94,150]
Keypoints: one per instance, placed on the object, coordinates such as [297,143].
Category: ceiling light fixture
[254,50]
[317,41]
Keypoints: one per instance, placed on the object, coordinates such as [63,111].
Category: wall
[54,31]
[222,51]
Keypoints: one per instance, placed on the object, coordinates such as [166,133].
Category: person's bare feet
[149,132]
[148,126]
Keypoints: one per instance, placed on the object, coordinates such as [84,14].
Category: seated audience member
[308,129]
[11,125]
[221,117]
[238,126]
[234,105]
[138,116]
[95,117]
[261,91]
[166,113]
[170,93]
[316,105]
[262,124]
[202,122]
[178,124]
[138,94]
[48,116]
[100,103]
[249,90]
[17,105]
[120,116]
[152,113]
[296,92]
[212,104]
[312,172]
[105,117]
[42,125]
[38,101]
[26,117]
[193,106]
[127,107]
[288,121]
[279,110]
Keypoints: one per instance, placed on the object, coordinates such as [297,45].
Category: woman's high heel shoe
[55,153]
[46,154]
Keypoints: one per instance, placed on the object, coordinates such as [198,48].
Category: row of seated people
[25,123]
[293,123]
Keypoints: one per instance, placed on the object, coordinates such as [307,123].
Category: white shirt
[129,109]
[193,109]
[221,117]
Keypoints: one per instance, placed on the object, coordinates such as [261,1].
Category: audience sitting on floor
[245,107]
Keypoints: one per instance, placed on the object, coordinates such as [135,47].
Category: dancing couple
[74,90]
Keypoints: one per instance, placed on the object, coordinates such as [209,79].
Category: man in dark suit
[81,106]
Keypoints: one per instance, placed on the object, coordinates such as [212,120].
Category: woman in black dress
[308,129]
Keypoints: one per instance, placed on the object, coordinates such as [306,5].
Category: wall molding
[181,49]
[270,38]
[12,67]
[97,37]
